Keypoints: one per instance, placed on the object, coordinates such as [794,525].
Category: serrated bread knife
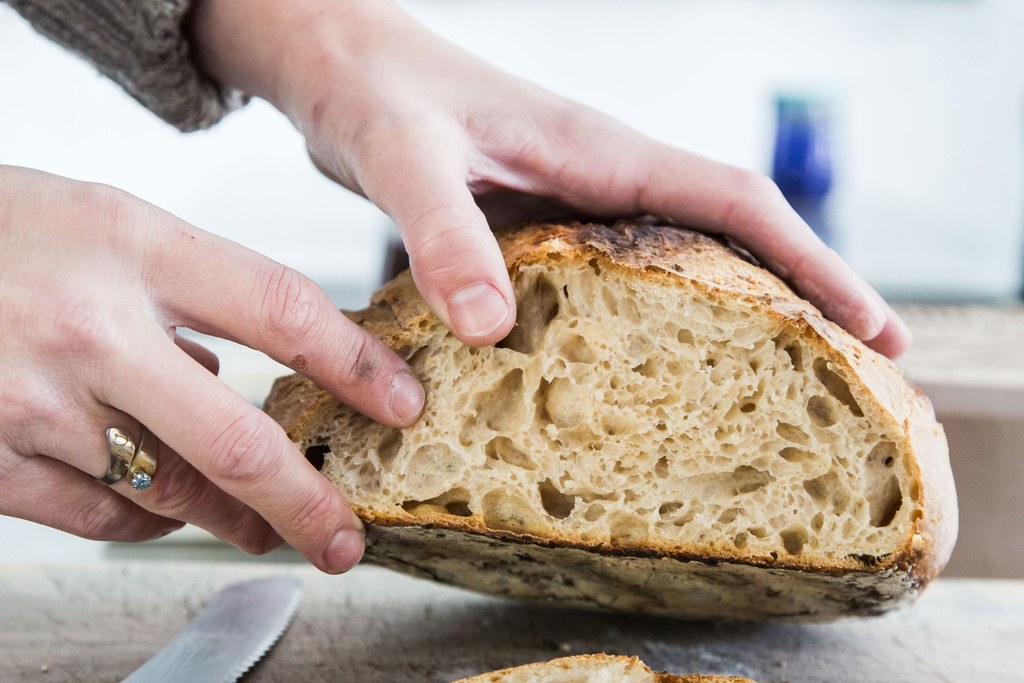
[228,635]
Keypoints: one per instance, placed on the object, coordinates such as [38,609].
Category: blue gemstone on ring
[140,481]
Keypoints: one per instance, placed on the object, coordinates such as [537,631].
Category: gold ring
[122,451]
[142,468]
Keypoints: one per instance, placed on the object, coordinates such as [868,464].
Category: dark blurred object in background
[802,160]
[396,258]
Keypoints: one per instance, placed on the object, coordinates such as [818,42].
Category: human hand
[93,286]
[431,134]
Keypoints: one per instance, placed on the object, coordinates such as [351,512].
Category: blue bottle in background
[802,160]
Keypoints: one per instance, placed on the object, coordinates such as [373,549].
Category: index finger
[237,447]
[218,287]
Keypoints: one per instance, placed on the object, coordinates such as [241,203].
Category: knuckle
[518,142]
[247,532]
[291,304]
[83,329]
[380,129]
[99,520]
[176,493]
[446,247]
[318,515]
[104,205]
[754,186]
[241,450]
[575,121]
[27,403]
[361,360]
[439,232]
[753,196]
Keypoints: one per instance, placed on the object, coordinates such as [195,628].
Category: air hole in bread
[791,433]
[628,529]
[430,469]
[454,502]
[885,500]
[789,345]
[577,350]
[500,407]
[315,455]
[668,509]
[595,511]
[661,467]
[821,411]
[501,448]
[688,515]
[882,455]
[796,355]
[793,539]
[728,516]
[836,386]
[563,402]
[534,315]
[797,455]
[556,503]
[509,512]
[828,492]
[389,447]
[749,479]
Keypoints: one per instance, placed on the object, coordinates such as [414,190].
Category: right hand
[450,147]
[93,285]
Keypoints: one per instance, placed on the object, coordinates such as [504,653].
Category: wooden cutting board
[100,622]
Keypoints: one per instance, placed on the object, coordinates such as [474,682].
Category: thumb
[455,261]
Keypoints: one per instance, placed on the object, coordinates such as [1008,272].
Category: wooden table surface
[968,359]
[100,622]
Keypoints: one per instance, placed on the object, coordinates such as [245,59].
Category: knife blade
[229,634]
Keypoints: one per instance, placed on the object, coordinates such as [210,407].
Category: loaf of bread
[600,668]
[668,429]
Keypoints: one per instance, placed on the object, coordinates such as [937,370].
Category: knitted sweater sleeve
[141,45]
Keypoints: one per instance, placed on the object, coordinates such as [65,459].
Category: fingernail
[406,396]
[344,551]
[477,310]
[874,315]
[899,334]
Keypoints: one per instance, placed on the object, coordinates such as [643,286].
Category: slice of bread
[599,668]
[668,429]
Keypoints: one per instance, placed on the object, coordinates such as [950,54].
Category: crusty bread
[668,429]
[599,668]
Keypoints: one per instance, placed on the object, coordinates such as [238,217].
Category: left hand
[431,134]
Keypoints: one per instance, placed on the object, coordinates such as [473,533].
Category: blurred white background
[927,98]
[929,123]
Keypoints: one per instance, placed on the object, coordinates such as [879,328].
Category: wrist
[278,51]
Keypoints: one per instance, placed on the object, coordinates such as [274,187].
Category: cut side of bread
[668,429]
[599,668]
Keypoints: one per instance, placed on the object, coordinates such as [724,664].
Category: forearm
[142,46]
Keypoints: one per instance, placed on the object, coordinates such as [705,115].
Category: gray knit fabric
[139,44]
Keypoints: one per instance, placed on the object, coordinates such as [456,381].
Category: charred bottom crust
[659,586]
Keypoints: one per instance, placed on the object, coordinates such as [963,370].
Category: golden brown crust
[583,663]
[400,317]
